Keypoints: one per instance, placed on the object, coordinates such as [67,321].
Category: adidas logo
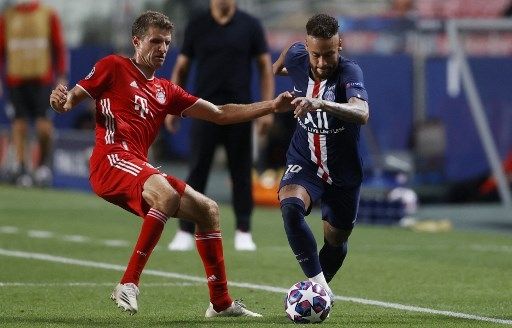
[134,84]
[212,278]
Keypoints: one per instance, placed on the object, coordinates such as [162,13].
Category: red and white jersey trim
[123,165]
[110,126]
[317,146]
[317,142]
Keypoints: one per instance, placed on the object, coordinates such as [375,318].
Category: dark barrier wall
[465,157]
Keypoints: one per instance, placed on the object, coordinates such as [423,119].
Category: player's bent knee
[336,237]
[206,215]
[293,211]
[212,211]
[170,201]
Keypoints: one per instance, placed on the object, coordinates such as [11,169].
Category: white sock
[320,279]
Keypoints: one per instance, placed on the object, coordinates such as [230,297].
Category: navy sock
[331,258]
[299,235]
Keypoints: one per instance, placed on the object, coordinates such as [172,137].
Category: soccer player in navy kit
[323,161]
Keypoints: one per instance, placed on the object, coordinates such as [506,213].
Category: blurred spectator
[33,53]
[401,8]
[223,42]
[394,24]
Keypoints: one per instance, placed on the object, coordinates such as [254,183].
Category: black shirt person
[223,42]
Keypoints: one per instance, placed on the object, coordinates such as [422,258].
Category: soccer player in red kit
[131,105]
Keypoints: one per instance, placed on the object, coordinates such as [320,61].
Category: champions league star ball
[307,302]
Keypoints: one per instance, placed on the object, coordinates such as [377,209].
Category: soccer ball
[307,302]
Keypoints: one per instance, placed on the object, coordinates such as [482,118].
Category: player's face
[323,55]
[222,5]
[152,48]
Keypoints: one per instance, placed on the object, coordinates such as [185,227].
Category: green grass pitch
[61,254]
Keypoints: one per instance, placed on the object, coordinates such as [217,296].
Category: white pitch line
[40,234]
[76,238]
[115,243]
[9,229]
[108,266]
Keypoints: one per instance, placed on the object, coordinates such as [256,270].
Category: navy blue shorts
[339,204]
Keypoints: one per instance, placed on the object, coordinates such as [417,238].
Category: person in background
[223,42]
[323,162]
[34,58]
[131,106]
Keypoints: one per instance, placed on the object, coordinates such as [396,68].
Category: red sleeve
[180,100]
[100,78]
[59,48]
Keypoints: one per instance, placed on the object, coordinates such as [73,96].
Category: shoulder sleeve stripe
[81,87]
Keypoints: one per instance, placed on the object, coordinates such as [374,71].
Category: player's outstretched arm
[62,100]
[237,113]
[355,110]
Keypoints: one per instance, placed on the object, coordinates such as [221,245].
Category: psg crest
[329,94]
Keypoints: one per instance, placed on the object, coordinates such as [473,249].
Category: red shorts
[119,178]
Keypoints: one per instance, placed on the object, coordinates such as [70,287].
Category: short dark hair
[322,26]
[151,18]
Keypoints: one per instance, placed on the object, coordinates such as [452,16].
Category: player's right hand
[282,103]
[58,99]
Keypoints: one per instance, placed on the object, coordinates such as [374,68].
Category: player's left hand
[304,105]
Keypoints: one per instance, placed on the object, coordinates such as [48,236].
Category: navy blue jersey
[321,142]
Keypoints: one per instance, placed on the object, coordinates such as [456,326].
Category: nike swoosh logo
[295,89]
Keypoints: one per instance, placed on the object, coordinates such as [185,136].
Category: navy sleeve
[354,82]
[258,41]
[295,55]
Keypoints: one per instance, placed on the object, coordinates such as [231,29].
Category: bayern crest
[160,95]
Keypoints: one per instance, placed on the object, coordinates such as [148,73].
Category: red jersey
[130,108]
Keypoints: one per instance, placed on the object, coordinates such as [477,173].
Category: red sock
[149,235]
[209,246]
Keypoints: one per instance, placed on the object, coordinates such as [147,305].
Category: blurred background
[438,74]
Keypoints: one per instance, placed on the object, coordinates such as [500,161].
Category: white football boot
[237,309]
[182,241]
[243,241]
[125,296]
